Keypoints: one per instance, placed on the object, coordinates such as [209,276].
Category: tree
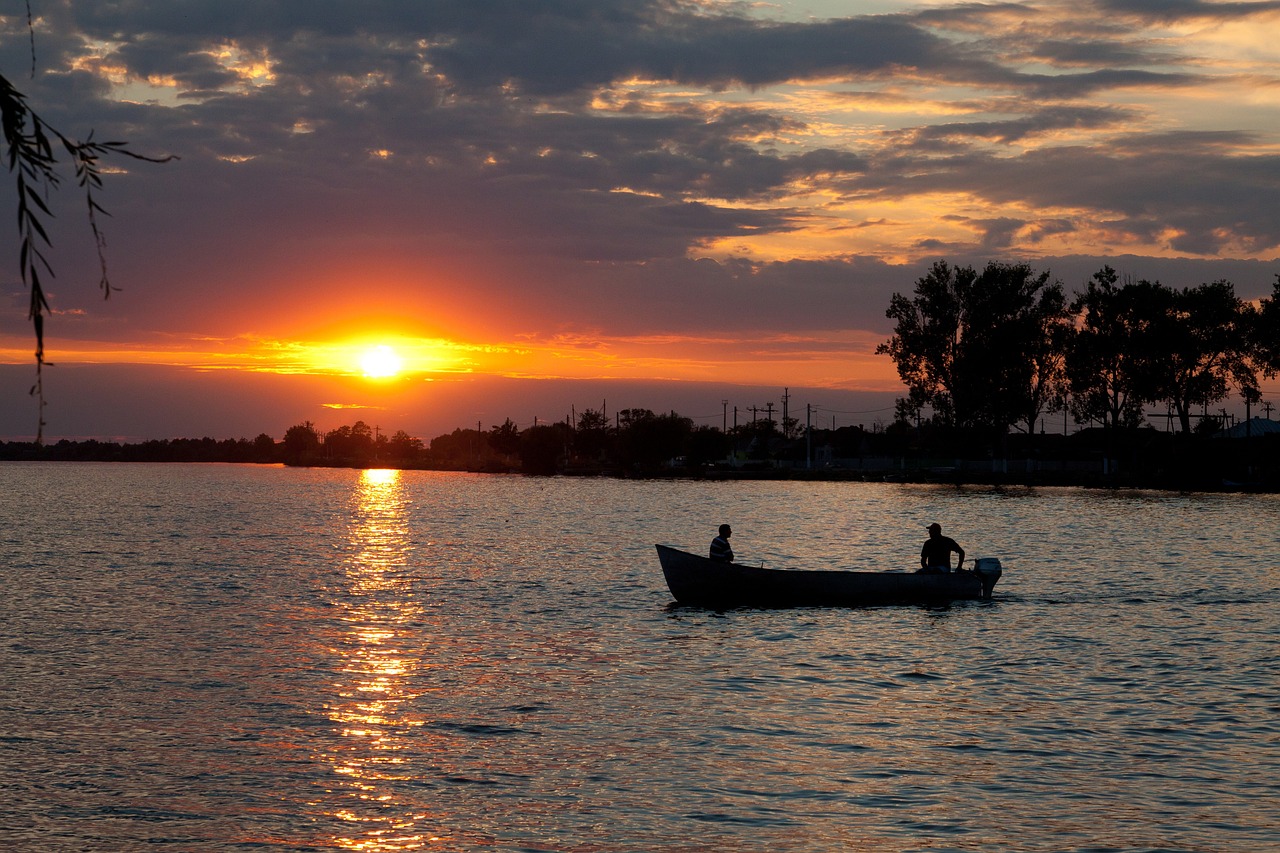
[542,448]
[707,444]
[647,440]
[363,444]
[1009,367]
[1203,341]
[1113,359]
[264,448]
[505,439]
[628,418]
[301,443]
[1265,332]
[591,435]
[982,350]
[1046,337]
[926,339]
[404,447]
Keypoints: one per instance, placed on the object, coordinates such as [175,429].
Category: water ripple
[238,658]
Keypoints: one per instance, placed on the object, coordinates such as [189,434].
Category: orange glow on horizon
[837,359]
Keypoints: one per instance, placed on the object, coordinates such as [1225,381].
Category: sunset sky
[538,204]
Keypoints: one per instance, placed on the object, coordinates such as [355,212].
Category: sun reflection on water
[373,709]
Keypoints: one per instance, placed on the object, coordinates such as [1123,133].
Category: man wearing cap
[935,556]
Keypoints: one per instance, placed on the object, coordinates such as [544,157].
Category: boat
[701,582]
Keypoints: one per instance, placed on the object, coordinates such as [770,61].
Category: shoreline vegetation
[639,444]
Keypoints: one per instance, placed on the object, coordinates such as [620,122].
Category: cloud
[1037,122]
[1170,11]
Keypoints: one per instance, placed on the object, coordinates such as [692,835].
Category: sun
[380,362]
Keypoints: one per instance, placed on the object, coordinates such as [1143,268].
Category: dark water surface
[243,658]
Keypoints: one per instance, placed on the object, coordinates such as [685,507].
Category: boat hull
[700,582]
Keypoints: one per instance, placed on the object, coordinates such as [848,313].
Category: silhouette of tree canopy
[505,438]
[1115,356]
[1203,341]
[982,350]
[663,445]
[995,349]
[542,447]
[403,447]
[591,437]
[355,442]
[1266,332]
[647,440]
[301,443]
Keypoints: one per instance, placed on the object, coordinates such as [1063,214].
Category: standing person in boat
[720,550]
[935,556]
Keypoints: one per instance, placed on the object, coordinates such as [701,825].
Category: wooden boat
[701,582]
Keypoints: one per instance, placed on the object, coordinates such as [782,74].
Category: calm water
[241,658]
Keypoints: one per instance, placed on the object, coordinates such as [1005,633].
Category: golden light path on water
[373,709]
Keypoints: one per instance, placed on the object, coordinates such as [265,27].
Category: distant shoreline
[1041,479]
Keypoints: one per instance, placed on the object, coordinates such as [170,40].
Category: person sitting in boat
[935,556]
[720,550]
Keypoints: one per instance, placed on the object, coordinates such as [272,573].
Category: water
[240,658]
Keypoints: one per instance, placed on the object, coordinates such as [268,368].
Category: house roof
[1251,427]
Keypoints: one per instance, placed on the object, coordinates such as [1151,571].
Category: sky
[540,206]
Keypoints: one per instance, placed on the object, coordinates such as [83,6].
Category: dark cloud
[1169,11]
[1207,188]
[1096,52]
[1093,82]
[492,49]
[1037,122]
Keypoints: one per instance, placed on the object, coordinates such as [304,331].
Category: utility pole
[724,424]
[733,459]
[786,399]
[808,434]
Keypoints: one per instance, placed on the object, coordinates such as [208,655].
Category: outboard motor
[988,571]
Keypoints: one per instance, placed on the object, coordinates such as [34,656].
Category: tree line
[993,350]
[636,440]
[640,443]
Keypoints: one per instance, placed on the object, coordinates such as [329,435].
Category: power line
[818,408]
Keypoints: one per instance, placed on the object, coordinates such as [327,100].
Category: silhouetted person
[720,550]
[935,556]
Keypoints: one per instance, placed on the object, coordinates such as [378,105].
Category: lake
[256,658]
